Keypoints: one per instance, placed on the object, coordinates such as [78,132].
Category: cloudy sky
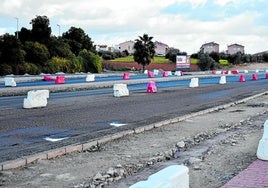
[183,24]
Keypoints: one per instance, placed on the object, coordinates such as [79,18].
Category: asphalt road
[80,117]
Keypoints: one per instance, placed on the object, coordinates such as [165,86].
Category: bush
[57,64]
[206,62]
[31,68]
[5,69]
[91,61]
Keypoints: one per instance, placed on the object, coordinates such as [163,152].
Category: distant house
[234,48]
[128,45]
[161,48]
[210,47]
[102,48]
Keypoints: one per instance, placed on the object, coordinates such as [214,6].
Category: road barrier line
[27,160]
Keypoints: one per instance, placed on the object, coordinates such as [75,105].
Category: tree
[215,56]
[91,61]
[78,40]
[25,35]
[144,50]
[205,62]
[36,53]
[40,29]
[58,48]
[172,54]
[11,54]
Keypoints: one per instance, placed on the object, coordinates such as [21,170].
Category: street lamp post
[17,32]
[59,28]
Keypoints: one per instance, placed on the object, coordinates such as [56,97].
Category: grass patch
[193,61]
[130,59]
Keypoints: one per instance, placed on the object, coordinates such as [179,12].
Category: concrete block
[48,78]
[194,82]
[245,71]
[120,90]
[36,99]
[150,74]
[165,74]
[178,73]
[13,164]
[126,76]
[156,72]
[222,80]
[55,153]
[235,71]
[90,78]
[262,151]
[169,73]
[60,80]
[10,82]
[151,87]
[171,177]
[35,158]
[145,71]
[74,148]
[104,140]
[88,145]
[139,130]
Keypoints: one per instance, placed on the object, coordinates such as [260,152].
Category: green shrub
[5,69]
[31,68]
[91,61]
[194,61]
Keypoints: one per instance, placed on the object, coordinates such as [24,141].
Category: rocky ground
[215,147]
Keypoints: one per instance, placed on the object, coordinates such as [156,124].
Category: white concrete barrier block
[178,73]
[257,71]
[262,151]
[245,71]
[120,90]
[174,176]
[156,72]
[36,99]
[10,82]
[169,73]
[145,71]
[90,78]
[194,82]
[222,80]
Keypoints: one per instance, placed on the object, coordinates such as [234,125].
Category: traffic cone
[242,78]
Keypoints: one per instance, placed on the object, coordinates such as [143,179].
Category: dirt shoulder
[215,147]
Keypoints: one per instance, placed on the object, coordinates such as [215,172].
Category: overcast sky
[183,24]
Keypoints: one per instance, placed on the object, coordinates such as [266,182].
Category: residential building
[161,48]
[128,45]
[102,48]
[210,47]
[234,48]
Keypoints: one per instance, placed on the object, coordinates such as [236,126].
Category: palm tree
[144,50]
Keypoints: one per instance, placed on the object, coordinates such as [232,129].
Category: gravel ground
[215,147]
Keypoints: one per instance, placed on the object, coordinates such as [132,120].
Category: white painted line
[55,139]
